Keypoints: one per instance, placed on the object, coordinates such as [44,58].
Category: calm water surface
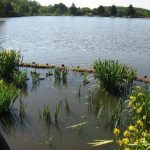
[31,132]
[71,41]
[79,40]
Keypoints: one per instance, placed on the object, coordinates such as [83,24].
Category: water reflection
[3,143]
[10,121]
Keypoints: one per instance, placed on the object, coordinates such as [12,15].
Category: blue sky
[96,3]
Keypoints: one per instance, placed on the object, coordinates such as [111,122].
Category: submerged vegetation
[115,77]
[46,114]
[13,8]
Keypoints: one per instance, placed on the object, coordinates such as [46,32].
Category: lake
[79,40]
[70,41]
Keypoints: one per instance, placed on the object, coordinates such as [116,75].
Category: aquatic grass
[114,77]
[64,75]
[79,91]
[9,62]
[8,95]
[46,114]
[57,110]
[20,78]
[85,78]
[22,107]
[57,73]
[60,77]
[67,106]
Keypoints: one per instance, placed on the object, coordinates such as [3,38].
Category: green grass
[46,114]
[57,110]
[19,78]
[8,95]
[9,62]
[114,77]
[67,106]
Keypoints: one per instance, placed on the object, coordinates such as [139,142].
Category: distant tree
[34,7]
[1,8]
[60,9]
[113,10]
[130,11]
[101,10]
[73,10]
[86,11]
[9,10]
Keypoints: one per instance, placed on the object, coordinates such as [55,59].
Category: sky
[96,3]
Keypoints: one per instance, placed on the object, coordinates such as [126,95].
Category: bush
[9,62]
[113,76]
[8,95]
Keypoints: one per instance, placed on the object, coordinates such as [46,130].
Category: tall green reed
[114,77]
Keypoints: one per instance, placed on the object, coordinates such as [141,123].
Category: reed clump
[113,76]
[9,62]
[9,67]
[8,95]
[46,114]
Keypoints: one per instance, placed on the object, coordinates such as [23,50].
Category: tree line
[14,8]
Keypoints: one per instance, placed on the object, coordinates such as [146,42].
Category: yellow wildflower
[126,134]
[130,104]
[140,94]
[144,117]
[116,131]
[144,134]
[1,81]
[137,104]
[132,98]
[120,142]
[140,123]
[139,110]
[125,141]
[131,128]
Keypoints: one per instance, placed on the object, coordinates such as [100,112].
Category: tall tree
[130,11]
[73,10]
[101,10]
[113,10]
[60,9]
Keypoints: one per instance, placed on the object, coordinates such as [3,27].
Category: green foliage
[130,11]
[73,10]
[113,76]
[140,105]
[8,95]
[13,8]
[101,10]
[19,78]
[113,10]
[9,62]
[46,114]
